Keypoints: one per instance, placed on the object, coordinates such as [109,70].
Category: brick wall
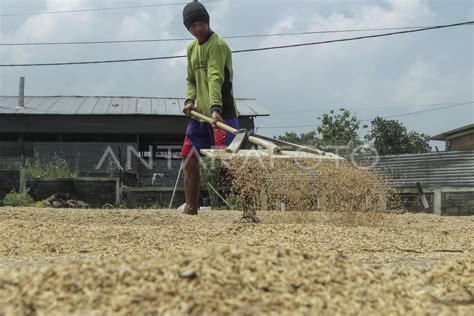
[464,142]
[453,202]
[457,203]
[412,202]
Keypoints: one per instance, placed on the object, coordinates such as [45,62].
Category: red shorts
[203,136]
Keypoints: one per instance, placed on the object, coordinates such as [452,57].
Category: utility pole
[21,93]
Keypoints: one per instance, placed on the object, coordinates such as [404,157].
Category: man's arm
[189,102]
[190,82]
[216,76]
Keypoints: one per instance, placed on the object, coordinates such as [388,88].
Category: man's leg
[198,136]
[192,182]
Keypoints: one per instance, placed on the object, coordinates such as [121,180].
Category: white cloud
[350,71]
[287,23]
[425,83]
[100,79]
[60,5]
[136,26]
[398,70]
[404,69]
[218,14]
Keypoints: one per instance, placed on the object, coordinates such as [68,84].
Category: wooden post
[118,192]
[22,184]
[437,201]
[422,195]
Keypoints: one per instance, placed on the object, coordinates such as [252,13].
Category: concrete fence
[452,201]
[11,180]
[447,179]
[94,191]
[442,200]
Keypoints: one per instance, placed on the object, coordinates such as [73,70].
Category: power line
[424,111]
[365,108]
[226,37]
[287,126]
[95,62]
[353,38]
[105,9]
[240,51]
[367,120]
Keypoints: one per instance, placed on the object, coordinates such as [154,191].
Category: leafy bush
[38,204]
[18,199]
[215,174]
[234,202]
[212,172]
[53,167]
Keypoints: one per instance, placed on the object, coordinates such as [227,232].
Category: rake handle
[254,140]
[221,125]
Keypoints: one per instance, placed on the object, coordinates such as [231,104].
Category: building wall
[457,203]
[412,202]
[100,124]
[434,169]
[448,172]
[166,171]
[452,203]
[94,191]
[82,140]
[464,142]
[83,156]
[9,180]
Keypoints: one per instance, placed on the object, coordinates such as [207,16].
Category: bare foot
[189,211]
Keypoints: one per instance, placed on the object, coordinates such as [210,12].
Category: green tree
[390,137]
[307,139]
[340,129]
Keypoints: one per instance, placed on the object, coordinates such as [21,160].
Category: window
[41,137]
[8,137]
[100,138]
[163,145]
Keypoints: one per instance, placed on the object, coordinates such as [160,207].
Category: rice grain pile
[235,280]
[305,184]
[161,262]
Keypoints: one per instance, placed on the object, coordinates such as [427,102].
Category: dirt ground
[159,262]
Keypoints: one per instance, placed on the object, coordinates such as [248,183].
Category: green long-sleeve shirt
[209,79]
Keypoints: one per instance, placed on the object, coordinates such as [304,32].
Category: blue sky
[378,77]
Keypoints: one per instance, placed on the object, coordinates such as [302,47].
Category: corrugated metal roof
[445,135]
[96,105]
[436,169]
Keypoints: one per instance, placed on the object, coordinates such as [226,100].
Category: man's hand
[216,117]
[188,107]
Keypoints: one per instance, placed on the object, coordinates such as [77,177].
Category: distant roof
[103,105]
[458,130]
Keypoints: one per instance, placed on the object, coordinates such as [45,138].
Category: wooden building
[461,138]
[84,128]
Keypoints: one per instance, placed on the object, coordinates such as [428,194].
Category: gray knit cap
[194,12]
